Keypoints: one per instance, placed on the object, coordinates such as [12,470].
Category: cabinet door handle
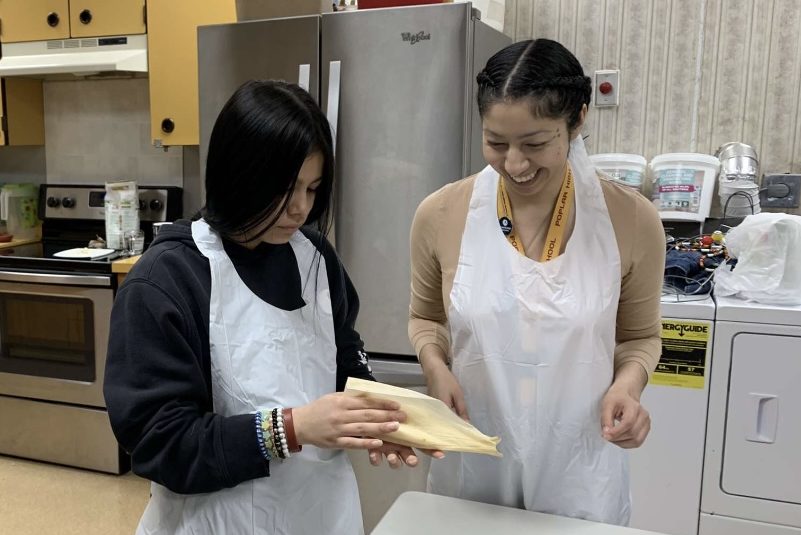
[85,16]
[334,79]
[304,71]
[167,125]
[764,413]
[53,19]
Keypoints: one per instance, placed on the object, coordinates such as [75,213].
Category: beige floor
[38,498]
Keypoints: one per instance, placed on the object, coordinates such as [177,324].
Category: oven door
[53,336]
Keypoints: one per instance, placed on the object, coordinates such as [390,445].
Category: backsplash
[22,164]
[694,74]
[99,130]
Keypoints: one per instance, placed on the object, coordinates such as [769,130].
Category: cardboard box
[272,9]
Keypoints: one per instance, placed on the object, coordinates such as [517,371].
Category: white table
[420,513]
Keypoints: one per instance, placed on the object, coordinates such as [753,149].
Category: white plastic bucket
[627,169]
[683,185]
[738,198]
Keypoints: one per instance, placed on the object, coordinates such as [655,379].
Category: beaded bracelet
[279,434]
[267,435]
[260,436]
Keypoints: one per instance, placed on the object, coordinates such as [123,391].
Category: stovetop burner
[72,216]
[37,257]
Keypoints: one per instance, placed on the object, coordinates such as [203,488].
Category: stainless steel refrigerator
[398,86]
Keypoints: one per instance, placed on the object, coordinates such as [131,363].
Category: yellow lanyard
[559,219]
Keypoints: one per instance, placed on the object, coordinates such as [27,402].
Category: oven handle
[52,278]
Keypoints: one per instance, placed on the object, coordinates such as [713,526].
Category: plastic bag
[121,206]
[767,247]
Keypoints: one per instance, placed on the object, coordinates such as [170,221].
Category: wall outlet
[774,183]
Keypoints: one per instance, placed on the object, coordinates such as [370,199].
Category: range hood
[81,56]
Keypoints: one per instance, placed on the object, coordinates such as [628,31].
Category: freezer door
[487,41]
[231,54]
[403,115]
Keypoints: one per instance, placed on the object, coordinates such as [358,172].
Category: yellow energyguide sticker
[684,352]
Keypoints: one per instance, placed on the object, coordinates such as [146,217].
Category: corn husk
[429,424]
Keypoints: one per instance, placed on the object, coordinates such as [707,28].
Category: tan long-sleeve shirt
[436,239]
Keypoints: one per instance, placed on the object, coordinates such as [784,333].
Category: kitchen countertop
[124,265]
[15,243]
[431,514]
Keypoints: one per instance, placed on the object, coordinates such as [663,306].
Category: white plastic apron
[533,349]
[263,357]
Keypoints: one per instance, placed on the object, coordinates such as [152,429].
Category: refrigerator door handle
[304,71]
[334,78]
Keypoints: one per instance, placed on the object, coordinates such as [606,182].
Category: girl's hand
[341,421]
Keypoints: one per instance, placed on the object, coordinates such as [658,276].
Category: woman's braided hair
[541,71]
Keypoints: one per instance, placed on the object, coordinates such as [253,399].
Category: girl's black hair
[260,140]
[541,71]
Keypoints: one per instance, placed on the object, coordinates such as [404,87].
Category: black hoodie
[157,383]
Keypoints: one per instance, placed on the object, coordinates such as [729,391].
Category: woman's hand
[341,421]
[398,455]
[441,382]
[624,421]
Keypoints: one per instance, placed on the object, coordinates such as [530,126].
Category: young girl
[232,334]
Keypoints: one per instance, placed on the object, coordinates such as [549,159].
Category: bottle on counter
[122,212]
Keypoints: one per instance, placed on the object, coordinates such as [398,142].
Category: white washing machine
[666,471]
[752,471]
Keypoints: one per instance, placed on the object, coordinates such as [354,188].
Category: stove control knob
[156,205]
[142,205]
[53,202]
[68,202]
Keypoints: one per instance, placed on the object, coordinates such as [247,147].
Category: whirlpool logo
[414,38]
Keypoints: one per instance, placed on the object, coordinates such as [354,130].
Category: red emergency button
[605,88]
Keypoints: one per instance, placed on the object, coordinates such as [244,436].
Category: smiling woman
[535,299]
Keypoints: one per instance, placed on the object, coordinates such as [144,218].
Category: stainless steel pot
[738,161]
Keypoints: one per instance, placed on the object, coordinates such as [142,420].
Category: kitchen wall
[22,164]
[99,130]
[694,73]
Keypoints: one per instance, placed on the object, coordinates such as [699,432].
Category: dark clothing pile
[684,273]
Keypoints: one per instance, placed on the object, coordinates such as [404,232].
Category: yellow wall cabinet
[95,18]
[172,57]
[22,112]
[34,20]
[38,20]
